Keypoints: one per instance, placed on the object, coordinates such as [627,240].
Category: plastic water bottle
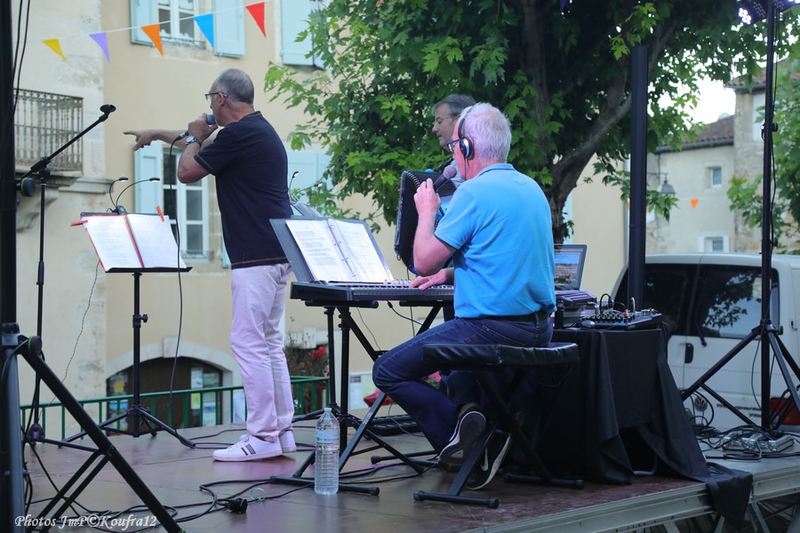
[326,459]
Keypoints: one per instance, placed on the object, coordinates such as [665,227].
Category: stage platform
[175,474]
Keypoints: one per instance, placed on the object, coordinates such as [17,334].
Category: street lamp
[667,188]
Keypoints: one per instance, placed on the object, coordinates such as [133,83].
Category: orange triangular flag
[55,46]
[694,202]
[257,10]
[152,32]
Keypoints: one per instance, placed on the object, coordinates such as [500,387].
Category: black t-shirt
[249,162]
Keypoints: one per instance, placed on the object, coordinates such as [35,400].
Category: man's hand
[200,127]
[426,200]
[143,137]
[423,282]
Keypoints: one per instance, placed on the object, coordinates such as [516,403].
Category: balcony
[43,123]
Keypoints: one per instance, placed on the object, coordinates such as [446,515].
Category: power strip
[757,444]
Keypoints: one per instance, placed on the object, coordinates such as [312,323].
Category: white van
[709,303]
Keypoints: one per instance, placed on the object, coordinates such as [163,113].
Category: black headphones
[465,143]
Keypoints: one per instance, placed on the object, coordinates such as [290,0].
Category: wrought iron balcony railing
[43,123]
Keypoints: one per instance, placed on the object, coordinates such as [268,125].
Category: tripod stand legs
[105,449]
[140,416]
[769,336]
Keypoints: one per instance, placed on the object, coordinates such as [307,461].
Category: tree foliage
[563,79]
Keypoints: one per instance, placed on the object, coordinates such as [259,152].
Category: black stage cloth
[617,411]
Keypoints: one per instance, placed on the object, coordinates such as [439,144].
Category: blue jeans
[400,372]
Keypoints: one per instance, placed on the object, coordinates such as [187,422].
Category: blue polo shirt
[499,223]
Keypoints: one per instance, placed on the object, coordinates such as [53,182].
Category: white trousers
[257,343]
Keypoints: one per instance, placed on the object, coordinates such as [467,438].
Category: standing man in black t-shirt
[248,161]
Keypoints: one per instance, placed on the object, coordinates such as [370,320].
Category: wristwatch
[192,139]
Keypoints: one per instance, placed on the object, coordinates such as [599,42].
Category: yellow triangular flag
[55,46]
[152,32]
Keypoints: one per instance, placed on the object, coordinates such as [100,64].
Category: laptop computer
[569,262]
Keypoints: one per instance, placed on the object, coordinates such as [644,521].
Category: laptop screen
[569,261]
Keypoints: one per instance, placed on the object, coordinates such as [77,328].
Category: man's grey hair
[237,84]
[489,130]
[456,103]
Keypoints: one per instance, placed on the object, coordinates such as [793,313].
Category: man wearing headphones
[498,232]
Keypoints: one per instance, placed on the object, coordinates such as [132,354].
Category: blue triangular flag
[206,25]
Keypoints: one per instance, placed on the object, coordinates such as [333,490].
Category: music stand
[150,239]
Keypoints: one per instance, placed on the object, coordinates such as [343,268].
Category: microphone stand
[35,431]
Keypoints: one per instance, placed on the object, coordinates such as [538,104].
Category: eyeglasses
[451,146]
[209,95]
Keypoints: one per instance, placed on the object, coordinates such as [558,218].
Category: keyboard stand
[346,419]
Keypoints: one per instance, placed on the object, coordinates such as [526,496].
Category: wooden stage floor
[175,474]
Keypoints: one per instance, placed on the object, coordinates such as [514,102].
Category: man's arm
[145,137]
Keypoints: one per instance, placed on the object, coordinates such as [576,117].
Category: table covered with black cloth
[618,410]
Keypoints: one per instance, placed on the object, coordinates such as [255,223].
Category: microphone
[448,174]
[107,109]
[120,210]
[210,120]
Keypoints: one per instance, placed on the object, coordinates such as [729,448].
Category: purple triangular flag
[563,4]
[102,42]
[206,25]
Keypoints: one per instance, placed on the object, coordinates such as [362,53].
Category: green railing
[189,407]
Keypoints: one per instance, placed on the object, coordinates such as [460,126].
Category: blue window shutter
[305,163]
[294,19]
[229,28]
[224,259]
[143,12]
[148,163]
[323,160]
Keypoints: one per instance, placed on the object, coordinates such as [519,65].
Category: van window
[666,289]
[728,302]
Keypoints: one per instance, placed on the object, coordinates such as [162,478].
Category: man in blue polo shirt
[498,231]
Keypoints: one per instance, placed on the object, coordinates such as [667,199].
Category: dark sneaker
[493,457]
[469,429]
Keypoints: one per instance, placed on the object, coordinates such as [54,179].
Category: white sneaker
[286,438]
[287,441]
[249,448]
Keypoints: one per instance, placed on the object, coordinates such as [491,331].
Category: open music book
[132,241]
[339,250]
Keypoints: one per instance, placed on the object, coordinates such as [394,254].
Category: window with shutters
[177,26]
[186,204]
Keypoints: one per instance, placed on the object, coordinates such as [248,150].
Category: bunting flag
[55,46]
[152,31]
[206,25]
[257,11]
[563,5]
[694,202]
[102,42]
[204,22]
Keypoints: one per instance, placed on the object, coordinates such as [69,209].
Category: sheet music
[113,251]
[156,243]
[368,264]
[319,249]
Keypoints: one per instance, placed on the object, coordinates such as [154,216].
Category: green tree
[746,195]
[563,78]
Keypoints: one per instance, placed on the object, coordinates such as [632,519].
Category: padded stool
[484,359]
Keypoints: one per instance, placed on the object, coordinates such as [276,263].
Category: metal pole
[638,196]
